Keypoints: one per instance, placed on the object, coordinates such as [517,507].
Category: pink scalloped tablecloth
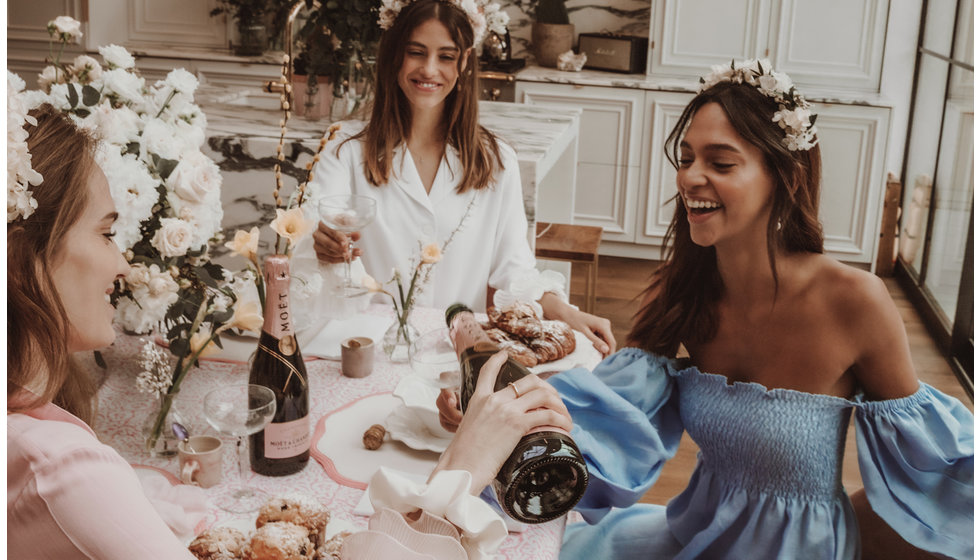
[123,409]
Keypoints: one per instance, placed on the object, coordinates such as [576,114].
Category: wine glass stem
[347,259]
[241,463]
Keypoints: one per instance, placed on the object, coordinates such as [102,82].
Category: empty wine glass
[348,214]
[240,410]
[434,359]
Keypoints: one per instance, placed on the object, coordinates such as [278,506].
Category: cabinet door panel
[691,35]
[656,206]
[835,44]
[852,145]
[609,149]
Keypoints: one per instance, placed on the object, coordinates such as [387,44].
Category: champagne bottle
[283,447]
[545,476]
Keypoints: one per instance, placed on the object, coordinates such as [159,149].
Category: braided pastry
[556,341]
[515,348]
[518,319]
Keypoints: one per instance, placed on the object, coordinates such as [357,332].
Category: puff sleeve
[916,458]
[627,425]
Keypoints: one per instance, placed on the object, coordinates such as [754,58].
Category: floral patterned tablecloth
[123,409]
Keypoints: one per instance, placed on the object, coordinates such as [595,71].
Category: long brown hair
[391,116]
[683,295]
[37,324]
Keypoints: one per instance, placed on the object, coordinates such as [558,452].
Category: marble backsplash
[624,17]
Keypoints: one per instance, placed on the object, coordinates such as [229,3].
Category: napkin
[326,342]
[446,495]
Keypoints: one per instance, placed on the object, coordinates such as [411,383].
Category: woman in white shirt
[435,173]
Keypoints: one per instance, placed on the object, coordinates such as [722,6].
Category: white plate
[405,426]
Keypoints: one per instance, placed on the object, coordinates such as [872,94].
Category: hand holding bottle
[495,421]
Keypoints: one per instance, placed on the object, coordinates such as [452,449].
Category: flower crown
[793,116]
[482,14]
[20,174]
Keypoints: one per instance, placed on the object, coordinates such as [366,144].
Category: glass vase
[397,340]
[158,434]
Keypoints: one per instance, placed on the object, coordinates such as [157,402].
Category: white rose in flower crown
[50,75]
[117,57]
[158,138]
[116,126]
[86,69]
[195,177]
[173,239]
[58,97]
[124,85]
[69,28]
[794,119]
[189,136]
[181,81]
[133,189]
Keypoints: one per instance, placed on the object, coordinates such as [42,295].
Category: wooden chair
[575,244]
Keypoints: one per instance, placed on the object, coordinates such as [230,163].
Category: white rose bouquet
[167,193]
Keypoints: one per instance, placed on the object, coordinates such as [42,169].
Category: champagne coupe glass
[348,213]
[240,410]
[434,359]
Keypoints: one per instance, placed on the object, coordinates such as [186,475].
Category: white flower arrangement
[483,15]
[794,115]
[20,175]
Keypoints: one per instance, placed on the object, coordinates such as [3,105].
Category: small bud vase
[158,435]
[398,338]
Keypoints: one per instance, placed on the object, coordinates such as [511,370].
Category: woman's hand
[449,413]
[597,329]
[331,245]
[495,421]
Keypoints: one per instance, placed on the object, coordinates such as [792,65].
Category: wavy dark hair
[685,289]
[391,116]
[37,323]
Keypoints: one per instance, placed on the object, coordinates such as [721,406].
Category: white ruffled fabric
[182,507]
[446,495]
[530,286]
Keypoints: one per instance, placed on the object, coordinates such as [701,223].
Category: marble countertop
[246,113]
[656,83]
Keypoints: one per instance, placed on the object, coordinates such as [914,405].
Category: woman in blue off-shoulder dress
[784,345]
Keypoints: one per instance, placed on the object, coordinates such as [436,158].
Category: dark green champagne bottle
[545,476]
[283,447]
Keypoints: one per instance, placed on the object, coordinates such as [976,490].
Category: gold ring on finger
[517,394]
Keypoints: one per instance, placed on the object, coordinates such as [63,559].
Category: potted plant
[337,45]
[251,20]
[551,33]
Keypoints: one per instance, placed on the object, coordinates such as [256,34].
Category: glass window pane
[923,148]
[953,199]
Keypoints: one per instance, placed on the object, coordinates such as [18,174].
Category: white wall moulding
[836,44]
[609,151]
[187,23]
[853,141]
[27,21]
[691,35]
[655,209]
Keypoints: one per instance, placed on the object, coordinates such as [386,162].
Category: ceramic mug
[357,356]
[199,461]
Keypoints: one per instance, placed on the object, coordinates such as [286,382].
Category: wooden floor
[622,279]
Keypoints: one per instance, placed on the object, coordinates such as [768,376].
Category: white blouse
[489,248]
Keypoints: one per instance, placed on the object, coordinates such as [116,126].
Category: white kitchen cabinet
[836,45]
[609,151]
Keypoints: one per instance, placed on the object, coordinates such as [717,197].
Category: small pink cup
[199,460]
[357,356]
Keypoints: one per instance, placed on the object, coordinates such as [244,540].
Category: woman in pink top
[68,496]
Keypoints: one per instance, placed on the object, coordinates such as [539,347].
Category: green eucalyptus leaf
[72,95]
[82,112]
[90,96]
[166,167]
